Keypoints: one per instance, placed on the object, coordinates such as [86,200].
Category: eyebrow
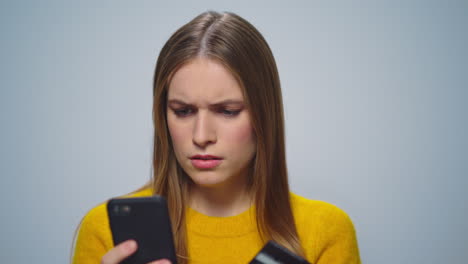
[224,102]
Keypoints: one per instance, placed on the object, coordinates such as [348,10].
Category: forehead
[204,81]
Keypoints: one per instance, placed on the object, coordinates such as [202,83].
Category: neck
[222,200]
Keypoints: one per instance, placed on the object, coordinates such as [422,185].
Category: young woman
[219,157]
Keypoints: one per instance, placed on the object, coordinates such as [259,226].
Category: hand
[161,261]
[122,251]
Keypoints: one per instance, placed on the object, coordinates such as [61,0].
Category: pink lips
[205,161]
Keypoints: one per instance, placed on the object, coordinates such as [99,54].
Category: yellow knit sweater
[325,231]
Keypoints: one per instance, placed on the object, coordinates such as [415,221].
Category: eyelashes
[187,111]
[230,112]
[183,112]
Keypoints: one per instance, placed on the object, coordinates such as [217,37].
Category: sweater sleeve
[341,245]
[94,237]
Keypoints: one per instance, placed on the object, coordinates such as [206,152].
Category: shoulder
[95,223]
[319,218]
[94,235]
[98,214]
[304,207]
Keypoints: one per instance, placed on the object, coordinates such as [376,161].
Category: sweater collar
[231,226]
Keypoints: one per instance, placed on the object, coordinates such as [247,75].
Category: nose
[204,132]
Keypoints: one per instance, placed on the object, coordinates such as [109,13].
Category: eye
[182,112]
[229,113]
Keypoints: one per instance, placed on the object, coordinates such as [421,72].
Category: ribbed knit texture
[326,233]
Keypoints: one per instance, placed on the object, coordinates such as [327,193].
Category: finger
[161,261]
[119,252]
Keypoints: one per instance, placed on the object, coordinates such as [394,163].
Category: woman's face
[209,123]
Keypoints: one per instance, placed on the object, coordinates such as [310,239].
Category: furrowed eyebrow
[228,102]
[176,101]
[221,103]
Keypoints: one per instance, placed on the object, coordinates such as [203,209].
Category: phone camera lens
[126,209]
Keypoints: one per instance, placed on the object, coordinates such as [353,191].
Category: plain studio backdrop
[375,97]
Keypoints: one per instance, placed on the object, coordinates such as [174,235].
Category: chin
[207,179]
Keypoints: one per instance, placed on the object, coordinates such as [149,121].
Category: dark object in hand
[273,253]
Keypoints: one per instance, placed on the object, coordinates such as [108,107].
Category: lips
[205,161]
[205,157]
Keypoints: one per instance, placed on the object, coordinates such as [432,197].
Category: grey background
[375,99]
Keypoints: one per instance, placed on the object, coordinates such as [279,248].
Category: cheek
[242,137]
[177,134]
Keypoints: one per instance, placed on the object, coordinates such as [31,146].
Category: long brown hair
[234,42]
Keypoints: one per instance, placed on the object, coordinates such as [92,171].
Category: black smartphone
[146,220]
[273,253]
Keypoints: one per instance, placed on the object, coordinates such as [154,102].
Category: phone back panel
[145,220]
